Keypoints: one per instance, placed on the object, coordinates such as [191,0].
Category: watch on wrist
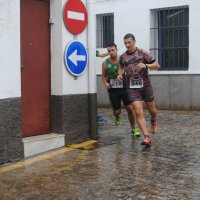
[146,66]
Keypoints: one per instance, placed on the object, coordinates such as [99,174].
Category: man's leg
[153,112]
[149,99]
[115,101]
[131,117]
[117,113]
[138,108]
[152,109]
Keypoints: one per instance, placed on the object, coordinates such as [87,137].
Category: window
[170,37]
[104,29]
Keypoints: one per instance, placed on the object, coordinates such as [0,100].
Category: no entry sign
[75,16]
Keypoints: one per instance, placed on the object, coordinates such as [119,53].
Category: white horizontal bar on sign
[75,15]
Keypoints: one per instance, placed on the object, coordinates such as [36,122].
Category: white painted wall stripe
[75,15]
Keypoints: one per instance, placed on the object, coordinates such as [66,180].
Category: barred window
[169,35]
[104,29]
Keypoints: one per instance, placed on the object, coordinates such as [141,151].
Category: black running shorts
[118,95]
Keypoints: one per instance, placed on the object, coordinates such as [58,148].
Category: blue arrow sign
[76,57]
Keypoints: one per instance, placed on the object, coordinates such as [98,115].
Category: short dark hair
[112,44]
[129,35]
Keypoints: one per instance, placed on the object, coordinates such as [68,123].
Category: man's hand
[119,77]
[141,66]
[107,86]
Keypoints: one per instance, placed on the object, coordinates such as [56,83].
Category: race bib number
[136,83]
[114,83]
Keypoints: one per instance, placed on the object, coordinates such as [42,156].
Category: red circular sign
[75,16]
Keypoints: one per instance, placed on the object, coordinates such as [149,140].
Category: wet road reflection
[115,167]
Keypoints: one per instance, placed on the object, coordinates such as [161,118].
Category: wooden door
[35,66]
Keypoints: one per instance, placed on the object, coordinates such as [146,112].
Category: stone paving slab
[117,167]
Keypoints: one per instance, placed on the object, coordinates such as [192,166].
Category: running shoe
[135,132]
[154,127]
[118,120]
[146,141]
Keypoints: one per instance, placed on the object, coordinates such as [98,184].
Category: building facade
[169,30]
[44,105]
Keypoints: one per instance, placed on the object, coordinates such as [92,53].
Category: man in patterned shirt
[135,63]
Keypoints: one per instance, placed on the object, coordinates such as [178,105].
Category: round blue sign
[76,57]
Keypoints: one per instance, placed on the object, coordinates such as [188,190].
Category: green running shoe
[118,121]
[135,133]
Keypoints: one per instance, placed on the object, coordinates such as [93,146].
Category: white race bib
[114,83]
[136,83]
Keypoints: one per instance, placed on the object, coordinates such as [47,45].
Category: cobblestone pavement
[116,167]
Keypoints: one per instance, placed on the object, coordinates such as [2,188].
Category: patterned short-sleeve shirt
[130,61]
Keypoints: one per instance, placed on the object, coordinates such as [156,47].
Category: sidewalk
[116,166]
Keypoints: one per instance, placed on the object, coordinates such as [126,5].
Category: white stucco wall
[56,48]
[134,17]
[10,76]
[63,83]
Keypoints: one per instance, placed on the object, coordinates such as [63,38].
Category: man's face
[112,51]
[130,44]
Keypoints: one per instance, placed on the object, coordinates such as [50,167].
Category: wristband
[97,53]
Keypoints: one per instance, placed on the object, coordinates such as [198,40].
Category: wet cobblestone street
[116,167]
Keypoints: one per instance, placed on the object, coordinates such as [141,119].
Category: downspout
[91,43]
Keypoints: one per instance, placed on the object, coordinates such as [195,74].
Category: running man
[115,88]
[135,63]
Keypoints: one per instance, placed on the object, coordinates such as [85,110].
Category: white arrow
[74,57]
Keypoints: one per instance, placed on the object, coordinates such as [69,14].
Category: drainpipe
[92,88]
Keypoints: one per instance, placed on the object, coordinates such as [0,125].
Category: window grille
[104,29]
[169,35]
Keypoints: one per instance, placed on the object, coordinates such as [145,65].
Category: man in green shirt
[115,88]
